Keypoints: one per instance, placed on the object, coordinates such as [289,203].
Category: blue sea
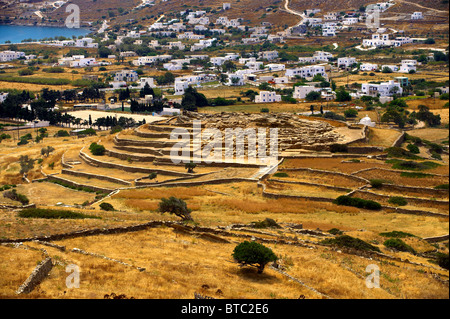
[17,33]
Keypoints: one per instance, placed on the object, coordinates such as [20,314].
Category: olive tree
[176,206]
[253,254]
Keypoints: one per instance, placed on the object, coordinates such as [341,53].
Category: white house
[407,68]
[226,6]
[307,59]
[267,97]
[322,56]
[235,79]
[268,55]
[383,89]
[350,21]
[417,16]
[393,67]
[346,62]
[275,67]
[6,56]
[307,71]
[301,91]
[126,75]
[149,81]
[83,62]
[368,67]
[3,97]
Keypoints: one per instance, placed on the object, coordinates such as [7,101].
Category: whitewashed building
[383,89]
[6,56]
[307,72]
[126,75]
[267,97]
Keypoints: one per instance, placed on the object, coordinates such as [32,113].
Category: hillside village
[89,126]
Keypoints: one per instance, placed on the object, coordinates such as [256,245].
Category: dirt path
[420,6]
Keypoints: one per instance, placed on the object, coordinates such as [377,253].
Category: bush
[399,245]
[399,152]
[413,148]
[25,72]
[397,234]
[442,186]
[281,174]
[89,131]
[350,113]
[253,254]
[266,223]
[265,110]
[62,133]
[107,207]
[377,183]
[335,231]
[52,214]
[97,149]
[398,201]
[412,166]
[13,195]
[357,202]
[338,148]
[350,242]
[442,260]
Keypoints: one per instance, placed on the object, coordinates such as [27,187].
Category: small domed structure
[367,121]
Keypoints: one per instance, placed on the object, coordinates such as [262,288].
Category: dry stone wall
[39,273]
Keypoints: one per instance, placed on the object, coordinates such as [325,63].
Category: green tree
[176,206]
[253,254]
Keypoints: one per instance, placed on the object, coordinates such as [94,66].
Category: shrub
[399,152]
[97,149]
[350,242]
[413,148]
[397,234]
[89,131]
[13,195]
[280,174]
[107,207]
[338,148]
[377,183]
[350,113]
[265,110]
[357,202]
[399,245]
[442,186]
[266,223]
[62,133]
[442,260]
[398,201]
[412,166]
[253,254]
[335,231]
[52,214]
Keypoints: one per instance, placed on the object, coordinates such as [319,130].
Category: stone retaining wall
[353,177]
[437,238]
[75,184]
[412,200]
[310,184]
[39,273]
[96,176]
[132,157]
[399,141]
[132,169]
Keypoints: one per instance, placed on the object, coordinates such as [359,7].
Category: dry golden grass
[321,178]
[396,178]
[332,164]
